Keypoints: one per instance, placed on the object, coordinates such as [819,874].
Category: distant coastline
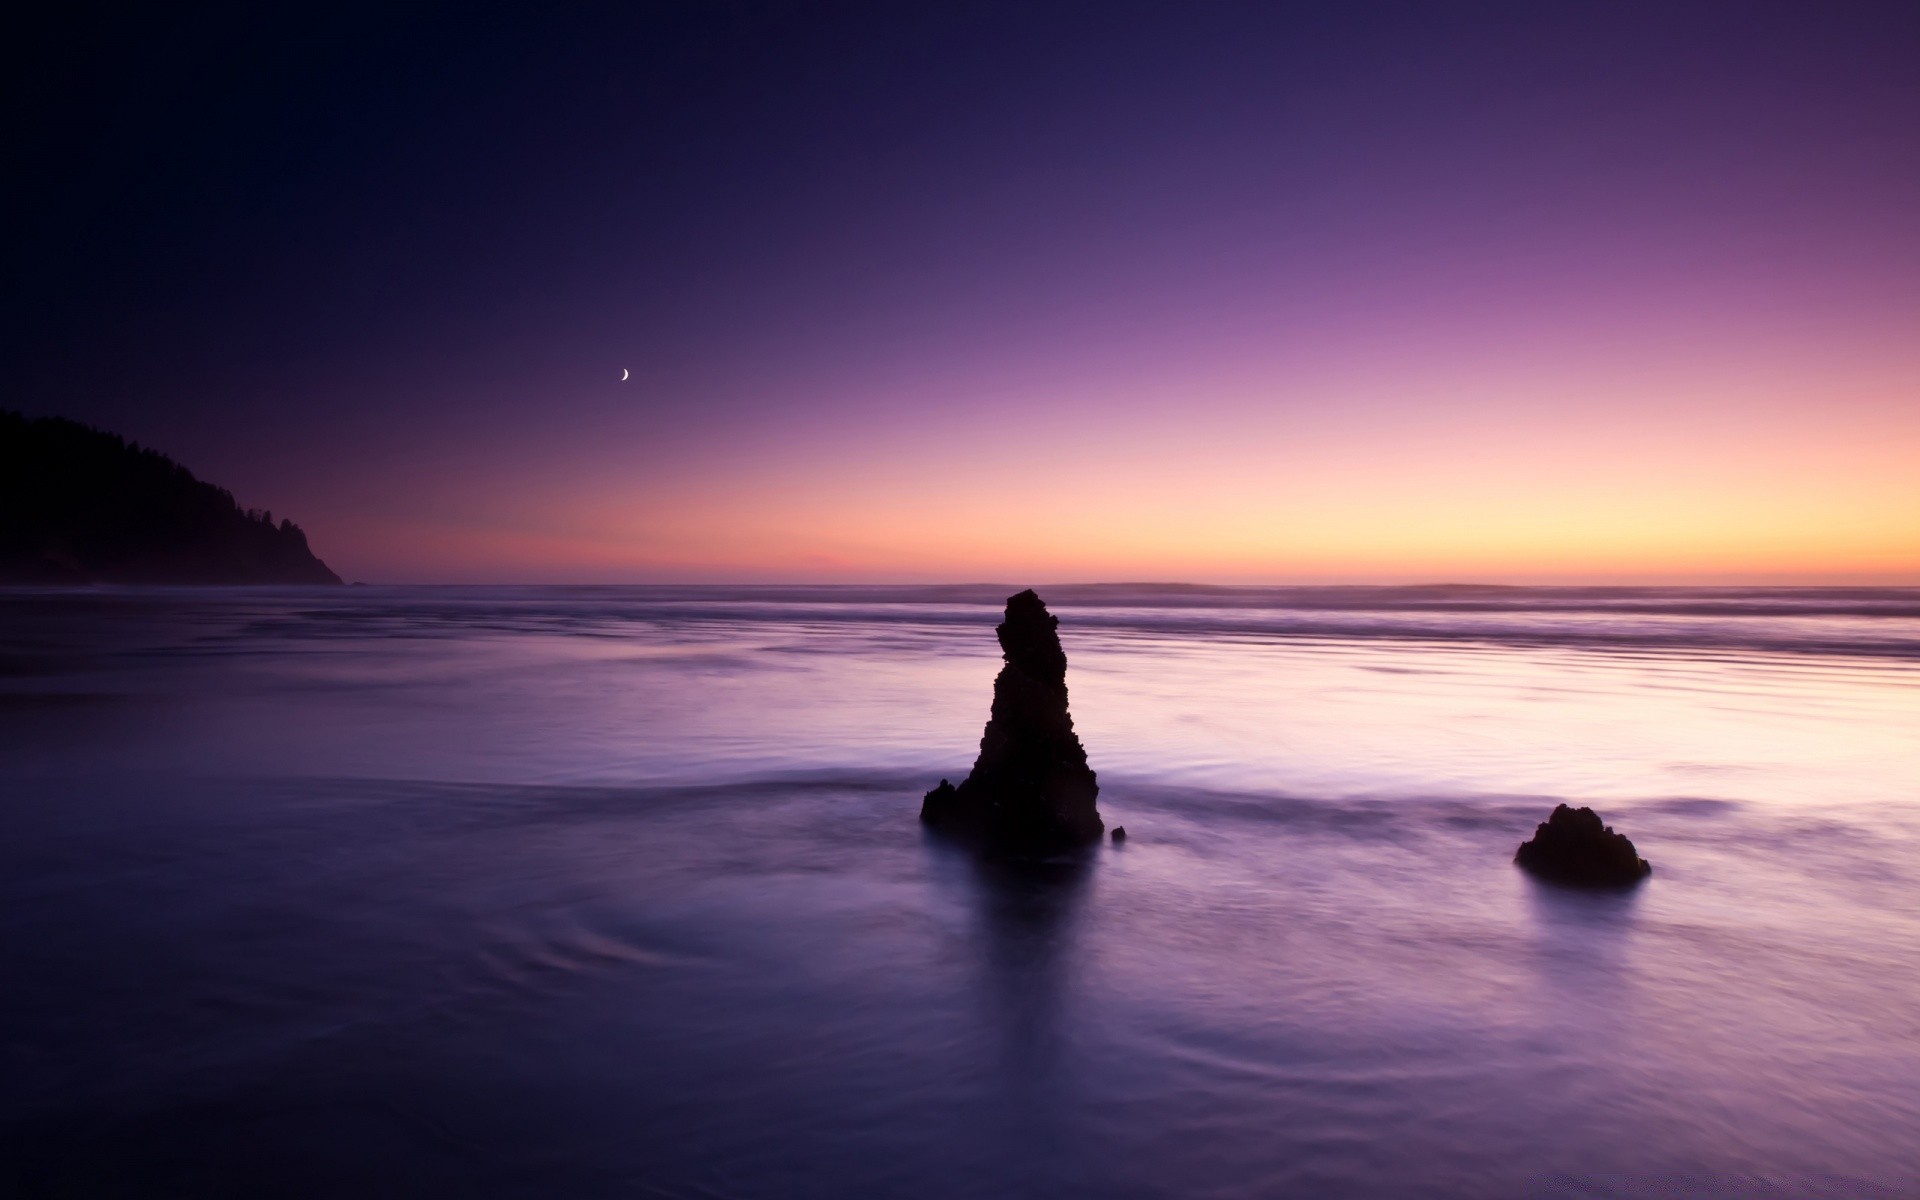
[80,505]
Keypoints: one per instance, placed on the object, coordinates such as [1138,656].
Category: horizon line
[1909,583]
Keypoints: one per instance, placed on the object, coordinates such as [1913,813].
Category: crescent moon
[623,374]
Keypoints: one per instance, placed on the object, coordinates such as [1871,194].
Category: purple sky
[1215,292]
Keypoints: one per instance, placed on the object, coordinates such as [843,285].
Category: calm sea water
[580,892]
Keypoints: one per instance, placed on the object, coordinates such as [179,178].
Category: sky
[1024,292]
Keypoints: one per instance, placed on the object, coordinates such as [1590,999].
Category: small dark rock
[1574,847]
[1031,790]
[1119,833]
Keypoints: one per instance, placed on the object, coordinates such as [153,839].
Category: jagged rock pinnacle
[1031,788]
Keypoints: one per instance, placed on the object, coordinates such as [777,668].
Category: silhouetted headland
[1031,789]
[1573,846]
[78,505]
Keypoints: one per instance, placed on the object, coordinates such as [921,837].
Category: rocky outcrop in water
[1573,846]
[1031,789]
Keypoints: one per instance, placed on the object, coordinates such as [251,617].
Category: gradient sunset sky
[1015,292]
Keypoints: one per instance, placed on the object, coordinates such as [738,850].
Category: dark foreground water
[620,892]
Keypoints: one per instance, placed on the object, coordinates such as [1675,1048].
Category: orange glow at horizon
[1233,487]
[1512,455]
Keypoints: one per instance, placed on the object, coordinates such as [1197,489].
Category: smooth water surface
[620,892]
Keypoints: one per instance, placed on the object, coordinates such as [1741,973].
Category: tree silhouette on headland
[79,505]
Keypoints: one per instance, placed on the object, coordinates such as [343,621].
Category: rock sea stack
[1574,847]
[1031,790]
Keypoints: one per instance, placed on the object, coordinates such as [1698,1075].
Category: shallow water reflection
[596,893]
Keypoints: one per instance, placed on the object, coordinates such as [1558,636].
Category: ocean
[621,891]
